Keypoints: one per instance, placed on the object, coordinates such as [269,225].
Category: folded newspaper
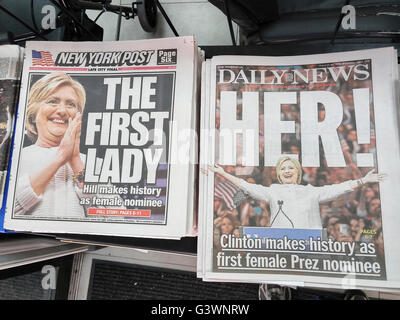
[102,144]
[299,170]
[11,57]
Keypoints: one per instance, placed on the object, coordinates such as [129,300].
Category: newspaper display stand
[186,244]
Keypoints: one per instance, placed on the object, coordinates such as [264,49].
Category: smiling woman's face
[288,173]
[54,113]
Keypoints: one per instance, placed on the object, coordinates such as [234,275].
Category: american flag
[226,191]
[42,58]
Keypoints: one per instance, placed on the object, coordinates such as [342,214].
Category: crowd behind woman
[352,217]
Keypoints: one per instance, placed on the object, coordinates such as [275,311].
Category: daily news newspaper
[94,138]
[303,175]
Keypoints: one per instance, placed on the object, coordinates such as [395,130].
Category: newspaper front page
[303,170]
[11,57]
[97,145]
[10,72]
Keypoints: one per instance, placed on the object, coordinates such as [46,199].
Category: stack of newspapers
[105,140]
[299,170]
[11,57]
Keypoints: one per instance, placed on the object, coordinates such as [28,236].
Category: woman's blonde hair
[295,162]
[42,89]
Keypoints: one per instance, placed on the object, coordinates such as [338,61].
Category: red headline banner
[119,212]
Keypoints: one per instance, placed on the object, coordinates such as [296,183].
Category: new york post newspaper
[93,148]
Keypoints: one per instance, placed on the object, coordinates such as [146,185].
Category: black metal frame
[314,37]
[64,265]
[73,11]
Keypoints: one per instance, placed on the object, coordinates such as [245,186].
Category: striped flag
[226,191]
[42,58]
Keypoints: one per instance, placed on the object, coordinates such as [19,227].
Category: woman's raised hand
[216,169]
[373,177]
[67,144]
